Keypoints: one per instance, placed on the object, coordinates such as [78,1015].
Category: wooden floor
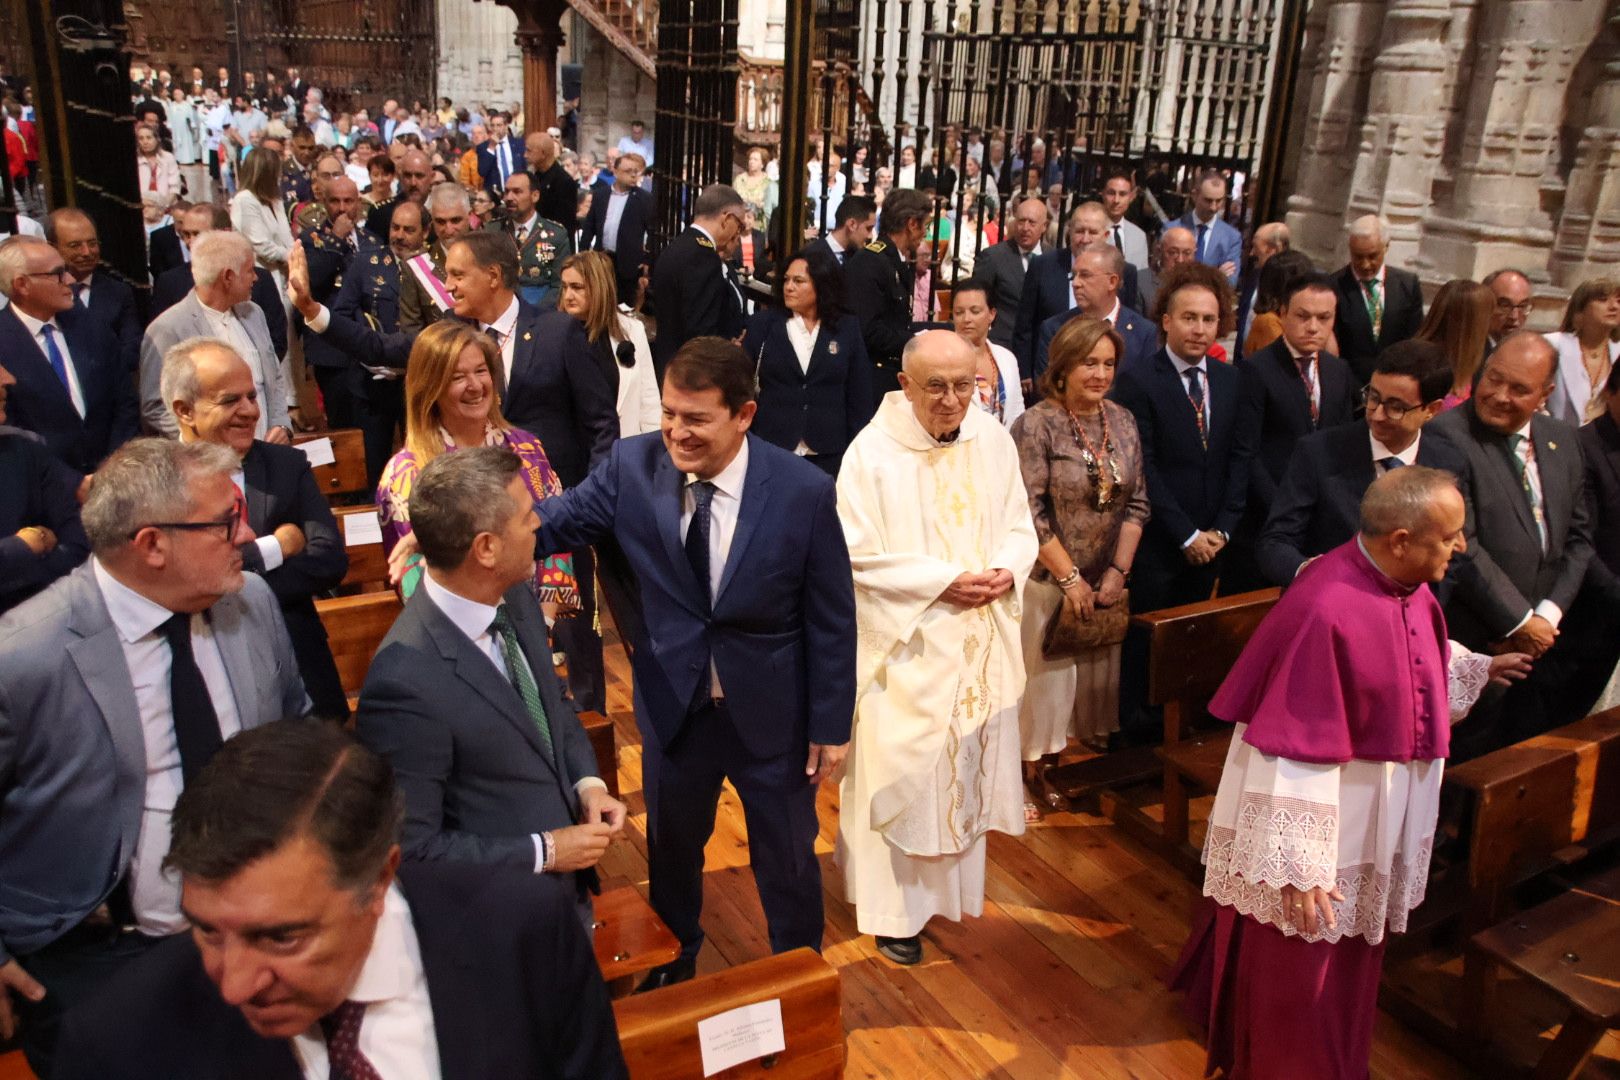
[1061,977]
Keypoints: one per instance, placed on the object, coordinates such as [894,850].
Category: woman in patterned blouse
[1082,463]
[450,402]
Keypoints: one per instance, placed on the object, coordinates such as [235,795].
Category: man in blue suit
[500,156]
[1219,245]
[1049,282]
[1098,270]
[745,668]
[101,298]
[73,389]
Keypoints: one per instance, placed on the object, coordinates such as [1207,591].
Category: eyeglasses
[1395,410]
[57,272]
[937,390]
[227,525]
[1504,305]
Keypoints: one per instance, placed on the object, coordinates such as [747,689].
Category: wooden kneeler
[659,1030]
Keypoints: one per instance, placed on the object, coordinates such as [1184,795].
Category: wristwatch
[1125,575]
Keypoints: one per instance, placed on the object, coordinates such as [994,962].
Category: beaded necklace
[1105,485]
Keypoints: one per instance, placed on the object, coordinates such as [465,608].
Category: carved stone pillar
[1497,213]
[1588,242]
[1336,106]
[540,35]
[1405,126]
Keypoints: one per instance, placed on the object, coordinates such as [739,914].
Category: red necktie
[341,1027]
[1307,375]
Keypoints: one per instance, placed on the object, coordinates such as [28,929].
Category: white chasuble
[934,761]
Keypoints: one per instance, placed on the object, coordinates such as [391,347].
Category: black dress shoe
[902,950]
[676,971]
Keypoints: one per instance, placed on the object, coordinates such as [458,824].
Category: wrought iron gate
[358,51]
[696,106]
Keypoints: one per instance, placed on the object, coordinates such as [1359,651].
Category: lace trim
[1277,840]
[1372,902]
[1469,675]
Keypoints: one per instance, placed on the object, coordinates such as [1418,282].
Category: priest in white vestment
[1319,840]
[940,538]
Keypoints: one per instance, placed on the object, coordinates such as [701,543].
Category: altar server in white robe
[941,541]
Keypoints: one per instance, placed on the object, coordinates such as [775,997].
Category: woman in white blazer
[258,213]
[1587,351]
[618,340]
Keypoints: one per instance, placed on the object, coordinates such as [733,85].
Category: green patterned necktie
[1375,305]
[522,677]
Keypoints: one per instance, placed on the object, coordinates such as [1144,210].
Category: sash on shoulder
[422,267]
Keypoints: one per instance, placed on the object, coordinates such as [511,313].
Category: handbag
[1067,636]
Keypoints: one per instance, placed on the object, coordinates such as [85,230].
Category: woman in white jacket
[618,340]
[1587,351]
[258,213]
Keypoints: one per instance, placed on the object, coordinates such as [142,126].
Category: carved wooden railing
[631,26]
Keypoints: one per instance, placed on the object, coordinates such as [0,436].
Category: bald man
[416,176]
[331,248]
[1176,246]
[1272,238]
[558,193]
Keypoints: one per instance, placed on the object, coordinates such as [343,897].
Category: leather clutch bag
[1067,635]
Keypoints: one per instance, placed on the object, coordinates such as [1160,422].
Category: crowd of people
[876,532]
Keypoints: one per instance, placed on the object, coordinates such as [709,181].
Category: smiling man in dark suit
[312,952]
[745,667]
[96,296]
[1098,269]
[1316,505]
[1379,304]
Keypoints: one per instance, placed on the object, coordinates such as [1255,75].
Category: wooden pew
[1191,649]
[658,1030]
[368,566]
[355,626]
[629,938]
[346,476]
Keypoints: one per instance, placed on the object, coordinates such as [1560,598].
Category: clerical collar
[1392,586]
[948,438]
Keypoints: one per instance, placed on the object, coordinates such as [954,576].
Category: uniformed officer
[331,248]
[296,183]
[692,296]
[370,293]
[542,245]
[312,214]
[421,303]
[878,281]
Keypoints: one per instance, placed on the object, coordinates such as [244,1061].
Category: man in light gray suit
[117,683]
[1529,538]
[1002,267]
[219,306]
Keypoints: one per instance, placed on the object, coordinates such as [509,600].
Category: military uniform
[692,295]
[540,257]
[370,293]
[307,217]
[295,183]
[330,258]
[878,282]
[417,310]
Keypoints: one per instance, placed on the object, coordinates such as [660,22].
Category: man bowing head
[937,521]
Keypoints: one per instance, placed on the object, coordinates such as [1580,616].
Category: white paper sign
[360,529]
[319,452]
[739,1035]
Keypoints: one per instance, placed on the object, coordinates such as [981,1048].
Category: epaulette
[704,241]
[876,247]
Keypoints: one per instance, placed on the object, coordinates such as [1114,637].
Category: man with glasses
[73,389]
[692,295]
[120,681]
[617,224]
[1512,291]
[1049,286]
[1317,503]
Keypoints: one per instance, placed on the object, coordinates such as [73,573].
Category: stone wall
[479,59]
[613,91]
[1486,132]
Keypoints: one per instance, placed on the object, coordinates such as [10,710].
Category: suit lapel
[819,355]
[457,1029]
[256,488]
[30,367]
[1354,298]
[225,617]
[522,346]
[83,363]
[537,650]
[1176,388]
[1555,495]
[1499,464]
[99,658]
[755,499]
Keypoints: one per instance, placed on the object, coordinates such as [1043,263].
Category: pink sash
[422,267]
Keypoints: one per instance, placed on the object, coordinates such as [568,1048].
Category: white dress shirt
[1316,381]
[33,325]
[81,289]
[802,337]
[227,326]
[1380,451]
[476,620]
[1030,254]
[1133,242]
[397,1034]
[617,201]
[724,510]
[522,229]
[838,249]
[504,327]
[155,893]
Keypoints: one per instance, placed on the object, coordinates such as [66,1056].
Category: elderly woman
[756,186]
[815,389]
[1588,349]
[1082,463]
[258,213]
[997,389]
[450,402]
[618,341]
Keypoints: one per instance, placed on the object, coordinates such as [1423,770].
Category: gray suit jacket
[187,320]
[72,753]
[477,780]
[1504,572]
[1002,269]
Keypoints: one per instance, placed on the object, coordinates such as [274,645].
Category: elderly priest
[940,538]
[1319,839]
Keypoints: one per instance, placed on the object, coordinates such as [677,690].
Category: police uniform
[540,257]
[879,282]
[330,258]
[370,293]
[417,310]
[692,295]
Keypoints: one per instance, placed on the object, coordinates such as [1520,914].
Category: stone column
[1408,105]
[1588,243]
[1497,214]
[1336,106]
[540,35]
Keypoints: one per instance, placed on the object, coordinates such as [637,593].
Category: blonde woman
[450,403]
[1588,349]
[618,341]
[1459,321]
[258,213]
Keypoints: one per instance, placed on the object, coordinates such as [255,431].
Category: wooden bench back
[346,475]
[355,626]
[368,566]
[1534,798]
[658,1030]
[1195,645]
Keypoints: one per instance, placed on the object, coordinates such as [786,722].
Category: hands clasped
[975,590]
